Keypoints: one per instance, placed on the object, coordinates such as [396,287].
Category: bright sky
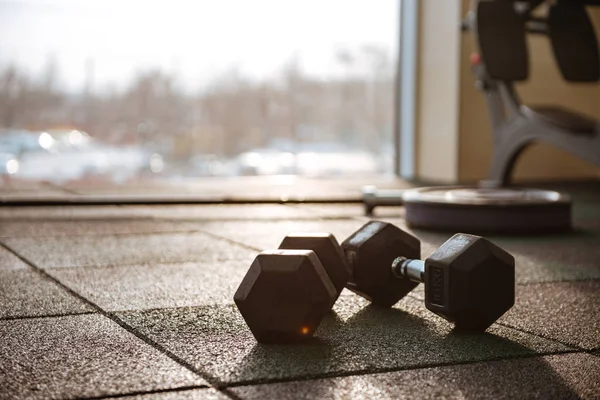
[198,39]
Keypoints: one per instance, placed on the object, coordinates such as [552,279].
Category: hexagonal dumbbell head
[327,249]
[370,252]
[470,281]
[285,295]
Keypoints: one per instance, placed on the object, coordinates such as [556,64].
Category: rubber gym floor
[137,302]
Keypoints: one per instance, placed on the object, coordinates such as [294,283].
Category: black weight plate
[483,210]
[574,42]
[502,41]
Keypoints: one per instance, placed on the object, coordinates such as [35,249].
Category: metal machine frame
[515,126]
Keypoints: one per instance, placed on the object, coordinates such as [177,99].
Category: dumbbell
[468,280]
[286,293]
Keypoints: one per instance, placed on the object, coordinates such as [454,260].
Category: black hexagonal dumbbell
[327,249]
[468,280]
[286,293]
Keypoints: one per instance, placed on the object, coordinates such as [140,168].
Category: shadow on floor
[376,340]
[381,336]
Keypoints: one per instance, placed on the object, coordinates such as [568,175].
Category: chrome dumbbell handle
[411,269]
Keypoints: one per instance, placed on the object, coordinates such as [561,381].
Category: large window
[130,90]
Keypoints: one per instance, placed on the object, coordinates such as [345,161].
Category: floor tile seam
[177,308]
[112,234]
[594,352]
[225,391]
[130,265]
[213,382]
[306,208]
[146,392]
[577,280]
[151,218]
[231,241]
[375,371]
[269,220]
[318,207]
[541,336]
[314,210]
[108,266]
[582,280]
[73,219]
[44,316]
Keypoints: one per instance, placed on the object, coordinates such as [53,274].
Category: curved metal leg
[512,139]
[503,163]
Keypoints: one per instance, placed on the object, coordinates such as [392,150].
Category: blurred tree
[11,95]
[233,114]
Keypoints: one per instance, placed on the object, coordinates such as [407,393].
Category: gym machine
[500,28]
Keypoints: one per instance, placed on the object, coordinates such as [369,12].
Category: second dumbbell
[468,280]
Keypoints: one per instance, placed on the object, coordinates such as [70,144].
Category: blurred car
[210,165]
[336,163]
[266,162]
[9,164]
[312,159]
[18,141]
[64,155]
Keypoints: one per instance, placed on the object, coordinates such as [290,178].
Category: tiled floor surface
[137,302]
